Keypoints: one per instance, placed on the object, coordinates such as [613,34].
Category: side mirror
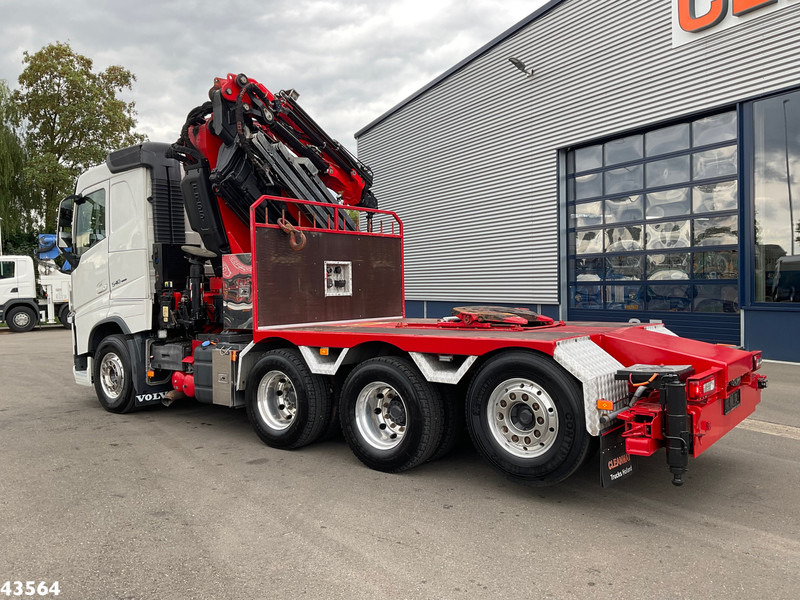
[64,229]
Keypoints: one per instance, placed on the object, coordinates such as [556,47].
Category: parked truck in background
[247,265]
[33,292]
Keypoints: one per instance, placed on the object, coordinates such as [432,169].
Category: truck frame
[247,265]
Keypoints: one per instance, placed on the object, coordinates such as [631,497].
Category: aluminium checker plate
[595,369]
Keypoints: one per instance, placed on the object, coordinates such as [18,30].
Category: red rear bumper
[710,418]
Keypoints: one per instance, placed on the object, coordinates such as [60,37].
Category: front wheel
[21,319]
[525,416]
[113,376]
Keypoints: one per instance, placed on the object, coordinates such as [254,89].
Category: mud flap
[615,463]
[146,394]
[153,395]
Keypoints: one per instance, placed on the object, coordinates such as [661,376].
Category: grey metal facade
[471,162]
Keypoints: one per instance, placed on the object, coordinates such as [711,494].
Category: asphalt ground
[186,502]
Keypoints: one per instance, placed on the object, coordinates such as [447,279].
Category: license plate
[615,462]
[731,402]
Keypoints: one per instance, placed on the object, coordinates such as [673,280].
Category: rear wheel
[287,405]
[525,416]
[113,376]
[21,319]
[333,430]
[453,422]
[391,417]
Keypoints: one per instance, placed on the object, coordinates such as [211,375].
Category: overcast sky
[351,61]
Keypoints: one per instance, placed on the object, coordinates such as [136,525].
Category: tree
[73,117]
[14,194]
[20,242]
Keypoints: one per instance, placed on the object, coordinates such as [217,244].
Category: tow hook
[762,381]
[297,239]
[677,432]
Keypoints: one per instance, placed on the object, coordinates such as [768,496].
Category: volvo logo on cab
[694,19]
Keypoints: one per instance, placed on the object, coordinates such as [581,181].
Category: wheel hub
[381,415]
[112,375]
[522,418]
[22,319]
[277,400]
[397,412]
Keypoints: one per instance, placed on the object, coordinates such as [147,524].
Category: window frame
[13,269]
[79,248]
[573,226]
[747,164]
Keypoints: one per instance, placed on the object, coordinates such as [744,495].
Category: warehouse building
[608,161]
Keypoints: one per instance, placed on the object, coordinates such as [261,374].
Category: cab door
[9,281]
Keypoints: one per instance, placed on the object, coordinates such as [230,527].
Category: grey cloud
[351,61]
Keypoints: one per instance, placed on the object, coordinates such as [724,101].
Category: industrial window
[653,220]
[776,198]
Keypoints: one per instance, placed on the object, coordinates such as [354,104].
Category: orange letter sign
[741,7]
[689,21]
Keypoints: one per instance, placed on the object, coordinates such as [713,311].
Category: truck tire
[334,429]
[391,417]
[525,417]
[287,405]
[21,319]
[113,376]
[453,422]
[63,315]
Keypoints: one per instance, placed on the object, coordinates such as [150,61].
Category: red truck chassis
[641,386]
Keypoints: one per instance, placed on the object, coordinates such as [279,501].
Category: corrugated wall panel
[471,164]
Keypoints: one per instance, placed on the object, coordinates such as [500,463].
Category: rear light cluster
[756,361]
[699,388]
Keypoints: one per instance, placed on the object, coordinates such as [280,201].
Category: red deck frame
[628,343]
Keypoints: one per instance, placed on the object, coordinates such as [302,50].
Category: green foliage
[73,117]
[20,242]
[14,194]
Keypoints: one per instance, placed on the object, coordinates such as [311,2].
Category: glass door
[776,198]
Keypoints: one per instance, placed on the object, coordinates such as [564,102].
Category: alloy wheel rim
[381,416]
[112,375]
[522,418]
[277,400]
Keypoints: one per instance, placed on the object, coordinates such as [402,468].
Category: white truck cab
[112,236]
[22,304]
[120,212]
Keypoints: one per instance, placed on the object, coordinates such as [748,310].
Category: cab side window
[90,223]
[6,269]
